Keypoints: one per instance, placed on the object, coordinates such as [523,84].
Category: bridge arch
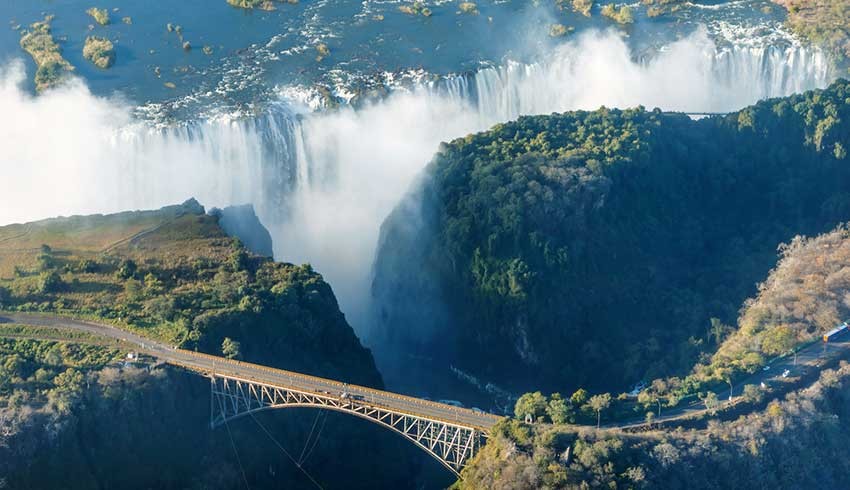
[452,444]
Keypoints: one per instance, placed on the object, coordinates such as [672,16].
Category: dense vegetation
[100,51]
[654,8]
[101,16]
[797,442]
[259,4]
[109,427]
[824,22]
[38,42]
[599,248]
[804,297]
[622,15]
[172,274]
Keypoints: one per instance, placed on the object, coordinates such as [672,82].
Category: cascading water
[324,181]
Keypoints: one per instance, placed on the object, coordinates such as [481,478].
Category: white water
[340,173]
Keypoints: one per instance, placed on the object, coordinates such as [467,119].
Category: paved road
[809,358]
[206,364]
[812,357]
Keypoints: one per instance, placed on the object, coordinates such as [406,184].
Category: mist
[68,152]
[324,182]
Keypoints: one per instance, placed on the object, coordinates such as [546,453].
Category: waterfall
[324,181]
[692,75]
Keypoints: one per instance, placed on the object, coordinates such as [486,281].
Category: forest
[597,249]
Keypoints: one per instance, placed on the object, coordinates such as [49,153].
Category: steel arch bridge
[453,443]
[451,434]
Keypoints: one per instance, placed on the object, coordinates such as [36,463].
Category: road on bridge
[207,364]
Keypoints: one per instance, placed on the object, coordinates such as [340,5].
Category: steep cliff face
[77,418]
[593,248]
[242,222]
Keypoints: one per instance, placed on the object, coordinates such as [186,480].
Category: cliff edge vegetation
[824,22]
[596,249]
[172,274]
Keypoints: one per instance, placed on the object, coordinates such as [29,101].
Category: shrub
[99,51]
[127,269]
[50,282]
[101,16]
[623,15]
[468,8]
[230,348]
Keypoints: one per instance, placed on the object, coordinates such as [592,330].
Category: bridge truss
[450,443]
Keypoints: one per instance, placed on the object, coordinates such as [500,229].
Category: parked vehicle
[785,373]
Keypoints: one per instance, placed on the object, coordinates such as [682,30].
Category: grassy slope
[192,285]
[187,283]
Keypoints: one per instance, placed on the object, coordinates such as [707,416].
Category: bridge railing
[338,384]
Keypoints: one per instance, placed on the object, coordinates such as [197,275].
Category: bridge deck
[207,364]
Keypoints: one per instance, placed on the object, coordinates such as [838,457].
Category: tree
[752,393]
[88,266]
[650,417]
[711,402]
[725,373]
[46,262]
[161,308]
[238,260]
[530,404]
[653,395]
[718,330]
[673,399]
[127,269]
[774,409]
[68,388]
[153,285]
[50,282]
[579,398]
[559,410]
[230,348]
[779,340]
[69,381]
[599,403]
[133,289]
[5,297]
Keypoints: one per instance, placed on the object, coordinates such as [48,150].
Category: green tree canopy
[530,405]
